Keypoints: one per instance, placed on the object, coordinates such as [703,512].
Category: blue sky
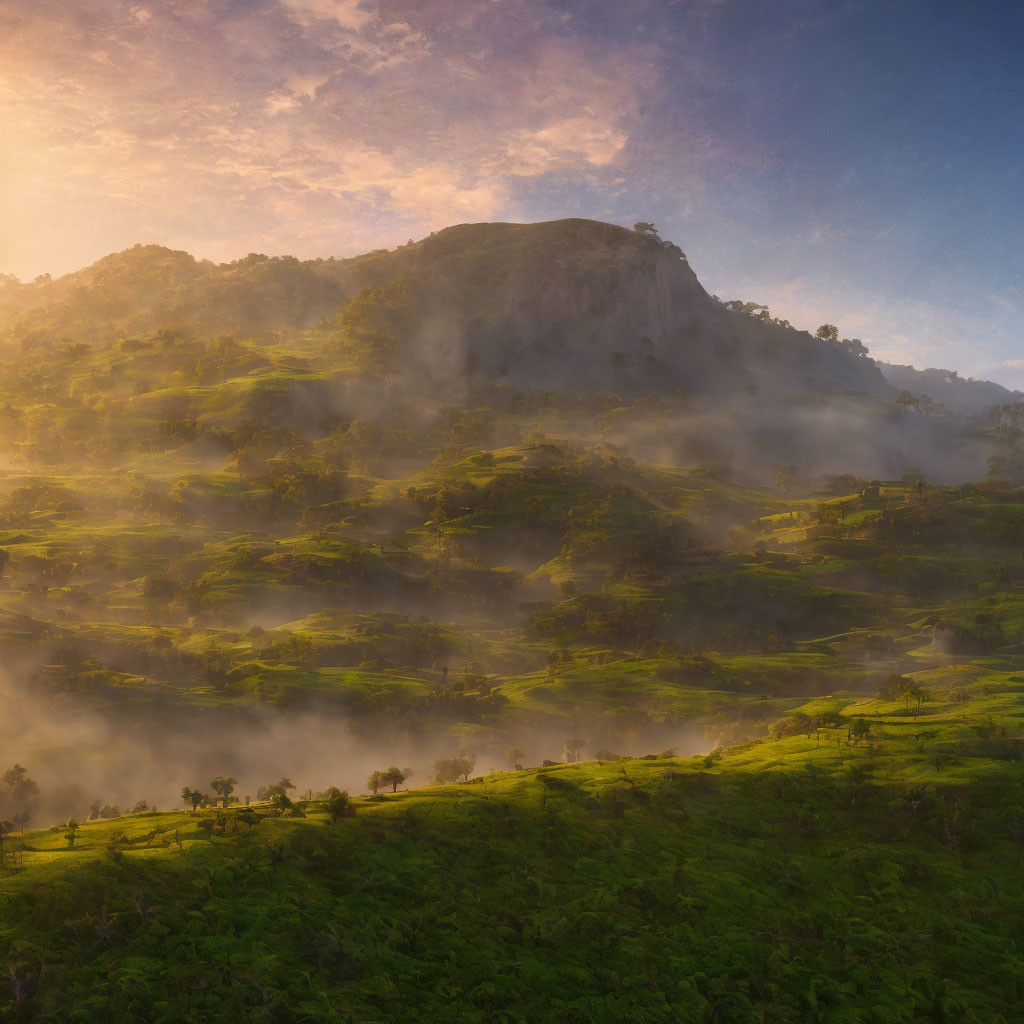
[857,162]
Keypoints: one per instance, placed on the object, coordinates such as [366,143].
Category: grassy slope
[800,879]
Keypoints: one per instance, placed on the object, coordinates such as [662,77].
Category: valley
[665,611]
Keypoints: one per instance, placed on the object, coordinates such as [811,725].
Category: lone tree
[71,832]
[191,796]
[224,788]
[827,332]
[395,776]
[375,781]
[454,768]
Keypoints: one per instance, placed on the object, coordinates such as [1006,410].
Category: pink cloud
[214,125]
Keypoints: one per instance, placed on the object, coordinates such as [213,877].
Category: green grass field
[808,878]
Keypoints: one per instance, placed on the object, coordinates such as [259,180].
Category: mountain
[948,388]
[568,303]
[477,313]
[592,306]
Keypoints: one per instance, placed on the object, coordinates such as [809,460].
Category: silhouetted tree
[191,796]
[281,786]
[224,787]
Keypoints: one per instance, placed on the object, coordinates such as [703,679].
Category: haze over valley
[606,605]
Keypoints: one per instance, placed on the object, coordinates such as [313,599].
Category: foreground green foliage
[819,878]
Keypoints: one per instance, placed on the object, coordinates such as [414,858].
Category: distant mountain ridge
[948,388]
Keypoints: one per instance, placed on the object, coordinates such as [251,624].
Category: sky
[852,162]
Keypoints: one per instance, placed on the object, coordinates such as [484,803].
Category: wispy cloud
[301,125]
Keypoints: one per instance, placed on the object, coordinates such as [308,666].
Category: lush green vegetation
[862,867]
[239,500]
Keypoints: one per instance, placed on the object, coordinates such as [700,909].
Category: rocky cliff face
[592,306]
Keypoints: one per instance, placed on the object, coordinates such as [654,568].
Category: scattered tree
[861,729]
[339,806]
[19,794]
[224,787]
[248,816]
[281,786]
[191,796]
[452,769]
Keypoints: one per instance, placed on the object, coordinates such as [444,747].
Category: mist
[416,434]
[120,756]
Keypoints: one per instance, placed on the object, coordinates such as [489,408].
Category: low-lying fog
[80,755]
